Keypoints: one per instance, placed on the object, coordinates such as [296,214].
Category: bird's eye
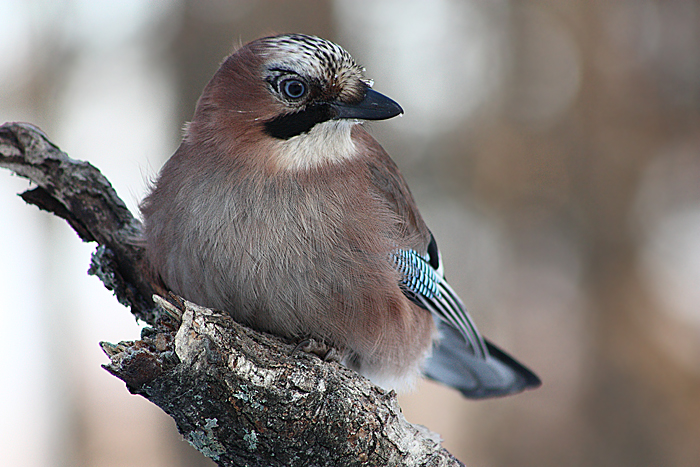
[293,88]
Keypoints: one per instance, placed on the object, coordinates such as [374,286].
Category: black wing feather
[462,358]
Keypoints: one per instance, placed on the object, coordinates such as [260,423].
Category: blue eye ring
[293,88]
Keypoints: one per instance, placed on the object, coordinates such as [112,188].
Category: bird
[280,209]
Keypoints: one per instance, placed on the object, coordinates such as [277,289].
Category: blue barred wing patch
[417,276]
[425,285]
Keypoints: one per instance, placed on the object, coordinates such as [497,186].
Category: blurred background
[553,147]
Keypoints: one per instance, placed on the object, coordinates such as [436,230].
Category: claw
[325,352]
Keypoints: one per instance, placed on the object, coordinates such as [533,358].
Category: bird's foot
[322,350]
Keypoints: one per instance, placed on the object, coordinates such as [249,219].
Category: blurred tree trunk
[638,407]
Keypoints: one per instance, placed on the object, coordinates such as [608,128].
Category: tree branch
[239,396]
[77,192]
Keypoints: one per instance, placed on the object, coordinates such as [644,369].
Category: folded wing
[462,358]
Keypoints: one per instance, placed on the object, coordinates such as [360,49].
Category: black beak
[374,106]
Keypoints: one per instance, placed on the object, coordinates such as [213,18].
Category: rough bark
[239,396]
[80,194]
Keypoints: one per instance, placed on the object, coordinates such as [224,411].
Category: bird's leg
[322,350]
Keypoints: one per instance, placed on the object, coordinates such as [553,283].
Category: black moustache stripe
[293,124]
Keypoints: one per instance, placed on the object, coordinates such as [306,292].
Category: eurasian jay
[280,209]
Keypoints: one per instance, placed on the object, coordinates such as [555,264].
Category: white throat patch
[327,142]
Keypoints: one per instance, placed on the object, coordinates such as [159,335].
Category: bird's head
[294,95]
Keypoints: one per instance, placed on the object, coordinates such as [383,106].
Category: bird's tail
[497,374]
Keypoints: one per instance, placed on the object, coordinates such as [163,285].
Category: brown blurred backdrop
[553,147]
